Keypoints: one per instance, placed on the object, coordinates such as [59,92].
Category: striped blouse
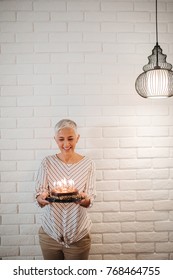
[66,222]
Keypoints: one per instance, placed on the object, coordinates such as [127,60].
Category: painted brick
[7,123]
[17,197]
[118,238]
[147,173]
[32,16]
[32,58]
[116,27]
[136,185]
[150,237]
[16,5]
[155,256]
[33,144]
[118,217]
[106,207]
[66,16]
[119,257]
[163,205]
[163,225]
[33,79]
[66,57]
[138,248]
[114,196]
[118,174]
[51,6]
[7,102]
[136,206]
[15,69]
[7,16]
[151,216]
[9,230]
[8,251]
[6,38]
[135,163]
[50,68]
[110,227]
[30,250]
[7,166]
[105,249]
[137,226]
[7,209]
[135,142]
[83,6]
[8,80]
[29,101]
[16,27]
[104,163]
[116,6]
[164,247]
[49,27]
[15,112]
[7,144]
[156,195]
[17,155]
[100,37]
[7,58]
[16,91]
[17,240]
[18,219]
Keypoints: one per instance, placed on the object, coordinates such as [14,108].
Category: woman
[65,227]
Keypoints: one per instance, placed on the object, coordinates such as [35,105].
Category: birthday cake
[64,191]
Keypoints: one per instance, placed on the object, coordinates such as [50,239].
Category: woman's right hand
[41,199]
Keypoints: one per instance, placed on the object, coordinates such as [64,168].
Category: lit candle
[71,183]
[64,182]
[59,183]
[54,184]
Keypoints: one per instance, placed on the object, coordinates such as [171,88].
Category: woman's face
[66,139]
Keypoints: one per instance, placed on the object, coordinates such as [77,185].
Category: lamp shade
[157,83]
[157,79]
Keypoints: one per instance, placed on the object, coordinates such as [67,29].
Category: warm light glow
[71,183]
[156,83]
[64,183]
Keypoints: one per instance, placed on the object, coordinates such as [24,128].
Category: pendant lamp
[157,79]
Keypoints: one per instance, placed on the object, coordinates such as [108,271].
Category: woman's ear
[78,137]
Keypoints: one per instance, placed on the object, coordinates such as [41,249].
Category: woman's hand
[41,199]
[85,201]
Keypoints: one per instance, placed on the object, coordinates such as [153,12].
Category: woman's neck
[74,158]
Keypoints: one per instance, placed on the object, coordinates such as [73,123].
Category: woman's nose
[66,143]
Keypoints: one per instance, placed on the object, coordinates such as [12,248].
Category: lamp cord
[156,26]
[157,45]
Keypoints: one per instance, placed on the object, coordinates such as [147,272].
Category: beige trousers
[52,250]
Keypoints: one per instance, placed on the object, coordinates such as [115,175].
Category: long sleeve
[41,182]
[91,183]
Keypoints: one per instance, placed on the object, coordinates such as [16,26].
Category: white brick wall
[79,59]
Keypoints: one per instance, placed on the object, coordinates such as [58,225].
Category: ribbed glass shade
[157,79]
[157,83]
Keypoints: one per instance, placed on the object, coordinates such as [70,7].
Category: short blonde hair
[66,123]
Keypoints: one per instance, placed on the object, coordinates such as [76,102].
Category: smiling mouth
[67,149]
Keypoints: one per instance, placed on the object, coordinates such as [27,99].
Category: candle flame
[64,183]
[54,183]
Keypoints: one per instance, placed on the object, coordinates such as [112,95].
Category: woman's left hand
[85,201]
